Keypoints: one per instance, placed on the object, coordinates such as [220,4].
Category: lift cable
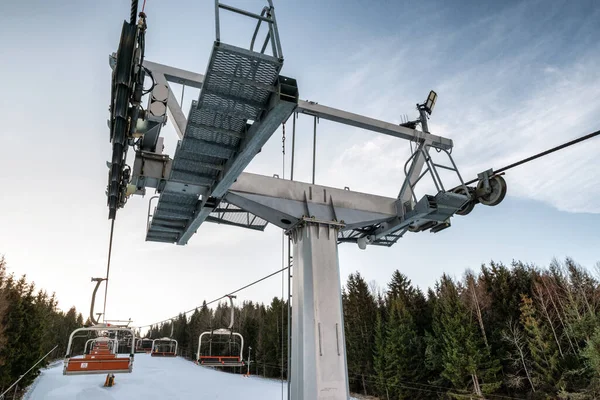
[110,241]
[134,8]
[549,151]
[220,298]
[542,154]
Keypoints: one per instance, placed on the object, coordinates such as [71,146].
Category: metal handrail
[22,376]
[267,15]
[150,215]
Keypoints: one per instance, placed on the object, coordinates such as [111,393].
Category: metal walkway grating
[236,90]
[229,214]
[352,235]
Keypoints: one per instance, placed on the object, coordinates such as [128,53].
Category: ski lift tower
[243,100]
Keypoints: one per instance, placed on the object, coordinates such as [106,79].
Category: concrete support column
[319,369]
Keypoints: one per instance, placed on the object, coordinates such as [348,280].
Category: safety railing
[267,15]
[429,167]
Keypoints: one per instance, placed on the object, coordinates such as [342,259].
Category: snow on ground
[153,378]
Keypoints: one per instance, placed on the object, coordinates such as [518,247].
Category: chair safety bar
[231,361]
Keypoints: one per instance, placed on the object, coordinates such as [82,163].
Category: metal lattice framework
[243,100]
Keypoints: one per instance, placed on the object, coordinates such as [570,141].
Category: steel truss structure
[185,203]
[243,100]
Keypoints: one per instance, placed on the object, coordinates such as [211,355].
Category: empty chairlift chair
[144,345]
[165,347]
[221,347]
[101,346]
[103,357]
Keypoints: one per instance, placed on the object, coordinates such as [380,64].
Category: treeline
[521,332]
[30,326]
[260,325]
[513,331]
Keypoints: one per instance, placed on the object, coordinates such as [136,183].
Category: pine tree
[249,328]
[465,360]
[195,329]
[591,355]
[379,356]
[360,313]
[30,326]
[544,355]
[404,350]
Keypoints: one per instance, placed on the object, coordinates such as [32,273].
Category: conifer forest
[30,326]
[513,331]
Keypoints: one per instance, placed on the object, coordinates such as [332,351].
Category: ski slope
[154,378]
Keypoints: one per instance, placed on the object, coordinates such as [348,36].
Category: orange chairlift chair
[165,347]
[101,346]
[144,345]
[103,357]
[224,353]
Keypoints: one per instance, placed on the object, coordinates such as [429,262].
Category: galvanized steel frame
[196,80]
[424,139]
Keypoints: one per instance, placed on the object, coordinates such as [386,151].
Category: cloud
[499,104]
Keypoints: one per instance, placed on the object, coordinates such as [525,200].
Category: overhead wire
[282,253]
[412,385]
[541,154]
[218,299]
[445,391]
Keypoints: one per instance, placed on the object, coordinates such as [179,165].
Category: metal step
[235,95]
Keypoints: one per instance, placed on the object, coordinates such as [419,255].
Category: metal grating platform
[350,236]
[236,92]
[229,214]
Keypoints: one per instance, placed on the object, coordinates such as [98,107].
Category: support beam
[177,75]
[283,202]
[371,124]
[257,135]
[320,369]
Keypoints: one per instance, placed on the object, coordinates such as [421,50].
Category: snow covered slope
[154,378]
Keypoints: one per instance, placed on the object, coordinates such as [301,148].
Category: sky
[513,78]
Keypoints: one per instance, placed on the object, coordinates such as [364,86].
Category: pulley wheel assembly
[497,191]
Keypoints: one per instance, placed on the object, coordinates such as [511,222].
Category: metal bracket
[484,177]
[98,282]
